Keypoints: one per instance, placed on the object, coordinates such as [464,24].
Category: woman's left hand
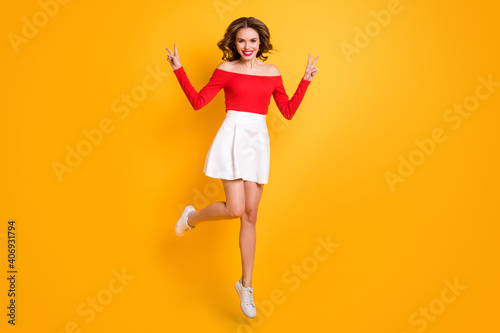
[310,69]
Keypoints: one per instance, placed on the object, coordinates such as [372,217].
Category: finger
[175,48]
[169,52]
[309,60]
[316,59]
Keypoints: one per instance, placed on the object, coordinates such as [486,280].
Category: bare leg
[253,193]
[233,207]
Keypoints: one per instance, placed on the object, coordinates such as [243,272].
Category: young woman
[240,153]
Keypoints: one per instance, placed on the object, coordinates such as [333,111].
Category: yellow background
[116,210]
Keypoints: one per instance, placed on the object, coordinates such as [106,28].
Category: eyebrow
[244,38]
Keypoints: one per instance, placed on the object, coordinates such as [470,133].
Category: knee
[250,215]
[235,211]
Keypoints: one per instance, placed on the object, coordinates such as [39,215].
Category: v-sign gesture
[173,58]
[310,69]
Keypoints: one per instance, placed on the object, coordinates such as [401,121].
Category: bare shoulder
[273,70]
[225,65]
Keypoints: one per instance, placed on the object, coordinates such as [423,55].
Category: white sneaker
[181,226]
[246,299]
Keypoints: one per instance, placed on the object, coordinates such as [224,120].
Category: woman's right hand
[173,58]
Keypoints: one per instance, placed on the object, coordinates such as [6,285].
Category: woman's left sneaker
[246,299]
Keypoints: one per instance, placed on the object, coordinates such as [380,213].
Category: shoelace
[249,298]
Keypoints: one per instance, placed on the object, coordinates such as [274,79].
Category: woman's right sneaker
[246,299]
[181,226]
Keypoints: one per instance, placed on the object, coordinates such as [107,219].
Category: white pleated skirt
[240,149]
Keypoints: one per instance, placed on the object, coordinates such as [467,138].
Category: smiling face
[247,43]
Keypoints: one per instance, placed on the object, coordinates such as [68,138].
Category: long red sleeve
[206,94]
[288,107]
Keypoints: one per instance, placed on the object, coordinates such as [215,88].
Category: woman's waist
[246,116]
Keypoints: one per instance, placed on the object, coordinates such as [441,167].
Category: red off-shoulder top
[244,92]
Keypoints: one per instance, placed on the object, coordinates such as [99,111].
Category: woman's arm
[287,106]
[206,94]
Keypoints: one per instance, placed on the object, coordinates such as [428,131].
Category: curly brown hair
[228,43]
